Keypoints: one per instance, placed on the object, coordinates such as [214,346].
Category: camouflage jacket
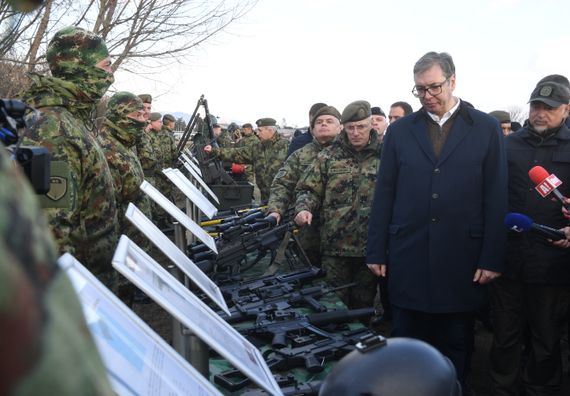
[44,339]
[266,157]
[246,141]
[80,205]
[339,185]
[225,140]
[167,148]
[147,153]
[126,171]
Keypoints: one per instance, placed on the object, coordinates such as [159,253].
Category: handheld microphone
[520,223]
[546,183]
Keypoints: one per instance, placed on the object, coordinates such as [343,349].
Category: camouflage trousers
[343,270]
[310,241]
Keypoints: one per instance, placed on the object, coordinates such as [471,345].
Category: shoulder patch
[59,194]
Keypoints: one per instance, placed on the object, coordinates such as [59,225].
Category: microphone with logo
[520,223]
[546,183]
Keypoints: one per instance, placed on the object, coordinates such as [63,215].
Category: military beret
[168,117]
[501,116]
[551,94]
[377,111]
[73,48]
[314,109]
[263,122]
[247,125]
[326,110]
[146,98]
[356,111]
[155,116]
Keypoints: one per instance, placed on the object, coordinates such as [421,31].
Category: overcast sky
[286,55]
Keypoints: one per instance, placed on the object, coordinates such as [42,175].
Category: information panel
[191,191]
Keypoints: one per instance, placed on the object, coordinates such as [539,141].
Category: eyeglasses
[435,89]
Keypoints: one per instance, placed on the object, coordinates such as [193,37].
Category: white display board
[178,257]
[191,192]
[188,165]
[179,215]
[156,282]
[138,361]
[187,156]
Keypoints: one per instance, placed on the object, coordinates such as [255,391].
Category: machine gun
[212,169]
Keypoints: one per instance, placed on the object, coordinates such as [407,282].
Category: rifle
[280,324]
[310,388]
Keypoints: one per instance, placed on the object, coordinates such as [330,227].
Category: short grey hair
[442,59]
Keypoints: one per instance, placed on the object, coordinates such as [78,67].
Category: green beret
[247,125]
[551,93]
[377,111]
[168,117]
[155,116]
[326,110]
[263,122]
[73,49]
[146,98]
[356,111]
[121,104]
[501,116]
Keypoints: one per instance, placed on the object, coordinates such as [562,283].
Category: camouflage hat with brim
[356,111]
[155,116]
[551,94]
[326,110]
[73,49]
[121,104]
[501,116]
[146,98]
[264,122]
[168,118]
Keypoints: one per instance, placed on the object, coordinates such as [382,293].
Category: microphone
[519,222]
[546,183]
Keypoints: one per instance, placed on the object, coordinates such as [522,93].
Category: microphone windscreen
[518,222]
[537,174]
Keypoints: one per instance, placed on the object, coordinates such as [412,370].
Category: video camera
[35,161]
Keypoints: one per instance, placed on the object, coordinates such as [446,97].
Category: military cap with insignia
[155,116]
[326,110]
[501,116]
[377,111]
[168,117]
[264,122]
[146,98]
[551,94]
[356,111]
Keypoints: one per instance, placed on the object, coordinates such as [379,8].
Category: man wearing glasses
[436,222]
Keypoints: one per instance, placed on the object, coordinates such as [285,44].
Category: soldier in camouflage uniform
[339,185]
[267,155]
[80,204]
[122,127]
[325,126]
[223,138]
[46,345]
[247,138]
[144,147]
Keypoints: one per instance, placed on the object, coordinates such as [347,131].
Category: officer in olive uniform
[247,138]
[267,155]
[339,185]
[80,204]
[325,126]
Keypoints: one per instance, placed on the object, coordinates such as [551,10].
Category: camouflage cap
[121,104]
[72,48]
[146,98]
[168,117]
[377,111]
[501,116]
[326,110]
[356,111]
[155,116]
[247,125]
[263,122]
[551,94]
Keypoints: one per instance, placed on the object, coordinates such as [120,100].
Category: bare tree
[518,114]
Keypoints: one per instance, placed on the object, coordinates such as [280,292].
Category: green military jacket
[339,186]
[80,205]
[148,155]
[266,157]
[46,346]
[246,141]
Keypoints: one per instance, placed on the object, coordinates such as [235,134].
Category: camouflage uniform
[147,153]
[267,157]
[80,205]
[45,343]
[243,142]
[283,195]
[225,140]
[117,138]
[339,185]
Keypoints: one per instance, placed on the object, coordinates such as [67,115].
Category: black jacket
[530,257]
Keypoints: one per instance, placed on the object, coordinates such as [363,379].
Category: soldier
[80,204]
[45,343]
[144,146]
[247,138]
[267,155]
[339,185]
[122,127]
[167,141]
[325,127]
[147,103]
[222,137]
[379,122]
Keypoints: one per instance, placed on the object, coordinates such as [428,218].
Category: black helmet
[393,367]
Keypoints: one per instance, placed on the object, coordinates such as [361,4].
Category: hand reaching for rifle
[303,217]
[276,215]
[208,149]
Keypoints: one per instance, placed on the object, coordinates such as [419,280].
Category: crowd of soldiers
[324,180]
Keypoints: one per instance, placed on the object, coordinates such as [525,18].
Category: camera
[35,161]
